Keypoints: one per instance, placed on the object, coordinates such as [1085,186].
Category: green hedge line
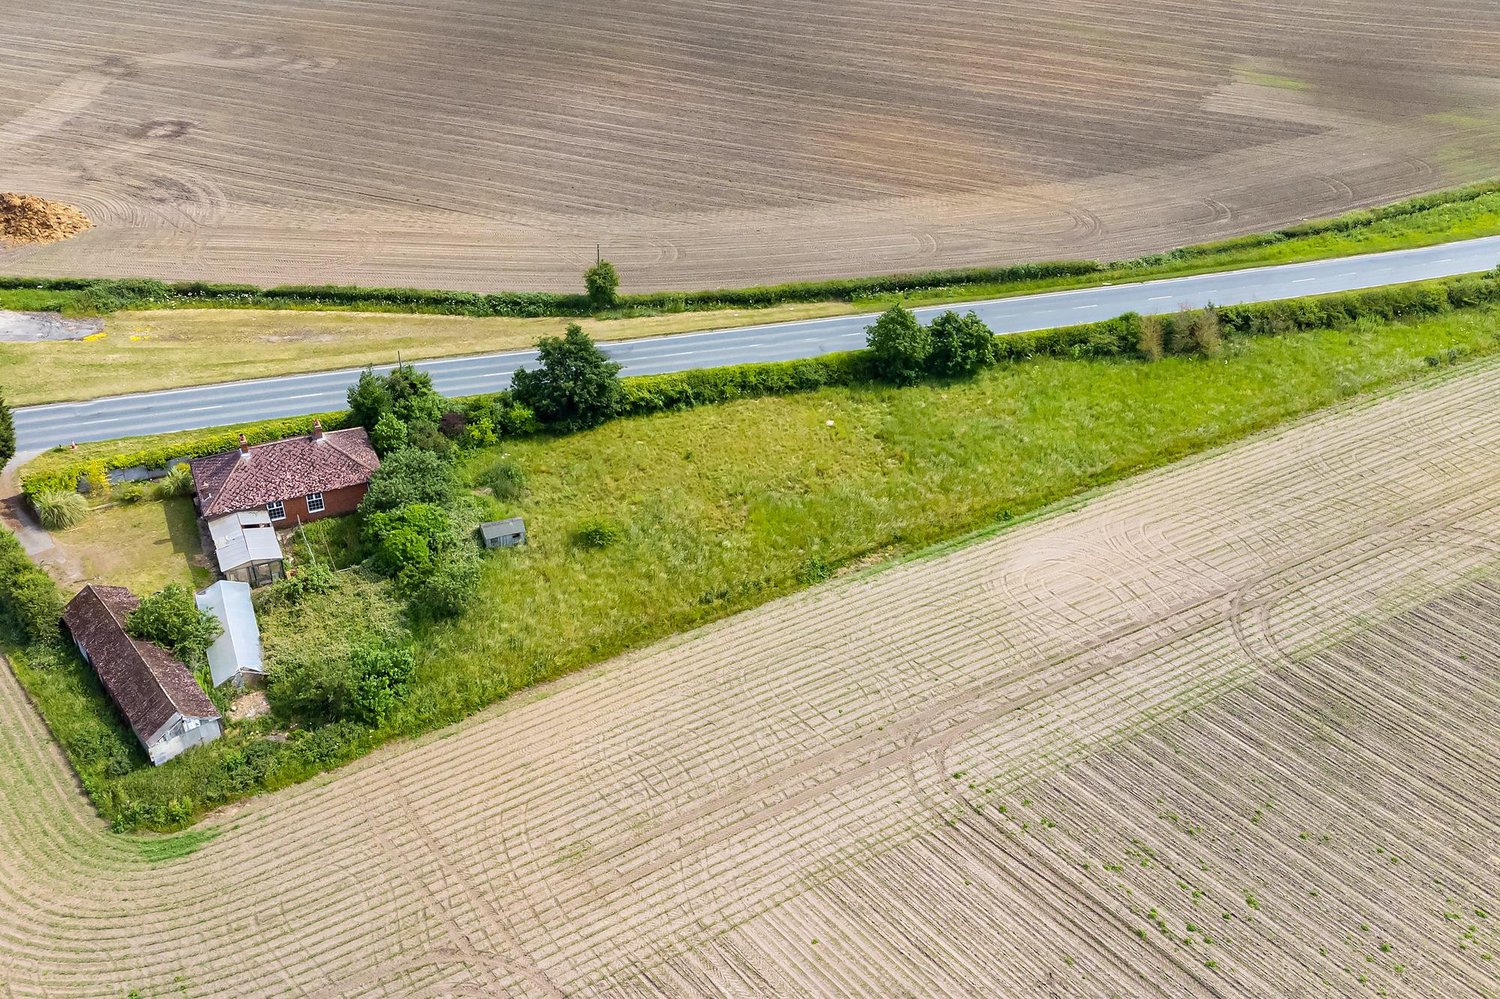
[114,294]
[61,469]
[1347,222]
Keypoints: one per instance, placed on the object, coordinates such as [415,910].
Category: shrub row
[1119,337]
[112,295]
[1348,222]
[61,469]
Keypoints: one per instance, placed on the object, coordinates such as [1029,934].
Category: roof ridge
[138,645]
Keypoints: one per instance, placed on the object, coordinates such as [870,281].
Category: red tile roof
[281,470]
[143,679]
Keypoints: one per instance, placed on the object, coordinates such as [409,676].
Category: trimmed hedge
[110,295]
[61,469]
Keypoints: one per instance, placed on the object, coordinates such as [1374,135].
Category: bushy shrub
[597,533]
[60,511]
[34,605]
[576,385]
[389,434]
[311,689]
[408,538]
[708,386]
[448,588]
[899,347]
[303,583]
[369,398]
[601,283]
[380,677]
[506,480]
[1153,338]
[410,475]
[130,492]
[170,618]
[7,434]
[176,483]
[961,345]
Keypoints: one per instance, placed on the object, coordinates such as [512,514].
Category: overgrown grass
[723,508]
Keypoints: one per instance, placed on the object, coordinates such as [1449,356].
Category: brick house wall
[335,503]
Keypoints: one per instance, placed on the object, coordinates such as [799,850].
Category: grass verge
[190,344]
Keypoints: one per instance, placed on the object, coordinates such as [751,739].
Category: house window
[277,510]
[314,502]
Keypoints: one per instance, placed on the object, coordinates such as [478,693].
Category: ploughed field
[478,145]
[1226,730]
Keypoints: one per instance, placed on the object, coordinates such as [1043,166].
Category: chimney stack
[317,430]
[244,446]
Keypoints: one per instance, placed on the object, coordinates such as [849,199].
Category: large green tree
[899,346]
[576,387]
[602,282]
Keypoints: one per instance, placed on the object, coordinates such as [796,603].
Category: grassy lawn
[143,545]
[166,348]
[724,508]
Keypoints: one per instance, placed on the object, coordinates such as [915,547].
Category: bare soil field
[475,145]
[1228,730]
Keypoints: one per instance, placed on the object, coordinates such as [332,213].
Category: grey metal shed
[503,533]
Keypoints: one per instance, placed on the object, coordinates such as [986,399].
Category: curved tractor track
[469,144]
[1228,730]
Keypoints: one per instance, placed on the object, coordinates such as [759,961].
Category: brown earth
[471,144]
[26,220]
[1228,730]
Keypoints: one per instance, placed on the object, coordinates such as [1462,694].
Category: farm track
[473,145]
[1228,730]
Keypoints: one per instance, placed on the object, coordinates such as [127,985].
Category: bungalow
[159,698]
[294,480]
[244,496]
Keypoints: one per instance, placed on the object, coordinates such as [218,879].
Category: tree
[899,346]
[369,398]
[410,475]
[602,282]
[171,619]
[576,387]
[407,540]
[388,434]
[961,345]
[7,434]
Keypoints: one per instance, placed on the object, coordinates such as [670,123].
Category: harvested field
[473,145]
[1229,730]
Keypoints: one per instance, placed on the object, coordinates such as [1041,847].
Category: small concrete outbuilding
[159,698]
[235,654]
[506,533]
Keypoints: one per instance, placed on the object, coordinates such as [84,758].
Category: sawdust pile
[26,220]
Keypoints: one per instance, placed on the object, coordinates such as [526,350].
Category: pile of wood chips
[26,220]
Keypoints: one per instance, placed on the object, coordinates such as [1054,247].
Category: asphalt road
[41,427]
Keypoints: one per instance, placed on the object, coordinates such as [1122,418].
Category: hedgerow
[60,469]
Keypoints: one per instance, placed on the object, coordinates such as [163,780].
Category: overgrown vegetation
[642,527]
[575,387]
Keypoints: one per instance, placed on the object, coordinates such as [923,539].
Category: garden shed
[235,654]
[506,533]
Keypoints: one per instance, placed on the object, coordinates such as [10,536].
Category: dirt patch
[26,220]
[38,327]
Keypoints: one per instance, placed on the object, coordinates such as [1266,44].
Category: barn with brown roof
[159,698]
[295,480]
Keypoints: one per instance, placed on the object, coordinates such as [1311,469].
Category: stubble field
[476,145]
[1228,730]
